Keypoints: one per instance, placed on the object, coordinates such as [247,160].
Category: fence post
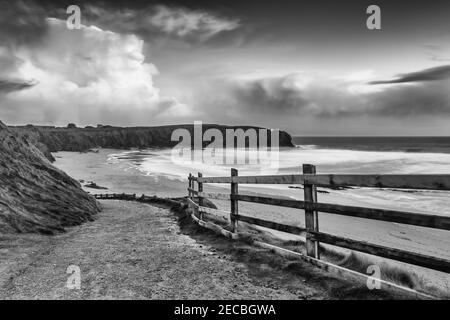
[190,186]
[234,203]
[311,216]
[200,199]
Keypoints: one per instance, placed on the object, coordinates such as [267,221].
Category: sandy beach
[120,177]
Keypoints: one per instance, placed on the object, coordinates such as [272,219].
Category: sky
[307,67]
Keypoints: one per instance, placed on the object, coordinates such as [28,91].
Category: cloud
[297,94]
[436,52]
[431,74]
[182,22]
[85,76]
[431,98]
[52,75]
[281,94]
[7,86]
[21,22]
[315,96]
[160,20]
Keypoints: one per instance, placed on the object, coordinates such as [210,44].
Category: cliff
[34,195]
[53,139]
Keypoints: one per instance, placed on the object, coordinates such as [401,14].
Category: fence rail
[398,181]
[310,205]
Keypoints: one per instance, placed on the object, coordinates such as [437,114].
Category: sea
[404,144]
[383,155]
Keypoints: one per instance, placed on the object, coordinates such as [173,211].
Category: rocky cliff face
[51,139]
[34,195]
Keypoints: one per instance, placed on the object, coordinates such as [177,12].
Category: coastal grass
[263,264]
[391,271]
[359,262]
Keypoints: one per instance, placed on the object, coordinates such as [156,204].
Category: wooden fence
[310,181]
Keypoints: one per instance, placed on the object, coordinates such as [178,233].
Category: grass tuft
[360,263]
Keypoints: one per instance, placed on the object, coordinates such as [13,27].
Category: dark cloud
[431,74]
[7,86]
[156,21]
[21,22]
[270,95]
[426,99]
[290,96]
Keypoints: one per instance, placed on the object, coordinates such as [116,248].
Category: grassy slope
[34,195]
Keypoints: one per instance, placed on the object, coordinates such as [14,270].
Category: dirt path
[131,251]
[138,251]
